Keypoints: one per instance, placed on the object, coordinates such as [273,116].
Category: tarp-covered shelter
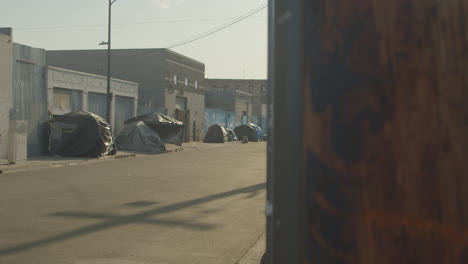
[80,134]
[216,134]
[247,130]
[231,135]
[169,129]
[137,136]
[258,129]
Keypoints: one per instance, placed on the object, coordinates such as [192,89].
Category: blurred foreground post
[370,145]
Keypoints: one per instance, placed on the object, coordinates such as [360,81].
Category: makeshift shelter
[231,135]
[216,134]
[80,134]
[137,136]
[247,130]
[258,129]
[169,129]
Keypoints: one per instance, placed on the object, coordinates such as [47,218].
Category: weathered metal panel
[385,134]
[6,87]
[123,112]
[97,104]
[30,95]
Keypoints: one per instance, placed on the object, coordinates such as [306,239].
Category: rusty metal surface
[386,131]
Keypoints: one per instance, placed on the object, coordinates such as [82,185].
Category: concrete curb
[55,164]
[125,156]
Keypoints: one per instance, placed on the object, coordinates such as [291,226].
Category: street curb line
[62,164]
[132,155]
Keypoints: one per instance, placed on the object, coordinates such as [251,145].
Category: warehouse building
[169,83]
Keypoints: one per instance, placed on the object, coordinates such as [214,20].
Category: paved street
[204,206]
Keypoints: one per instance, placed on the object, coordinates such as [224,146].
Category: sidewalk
[43,162]
[255,253]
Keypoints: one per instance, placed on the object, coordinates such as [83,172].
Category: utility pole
[108,43]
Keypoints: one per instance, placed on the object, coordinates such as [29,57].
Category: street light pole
[109,95]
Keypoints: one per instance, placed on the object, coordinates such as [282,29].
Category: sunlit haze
[238,51]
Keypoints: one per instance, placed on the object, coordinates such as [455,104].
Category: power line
[135,23]
[212,31]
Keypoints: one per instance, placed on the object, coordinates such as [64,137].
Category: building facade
[257,88]
[235,104]
[29,91]
[69,91]
[169,83]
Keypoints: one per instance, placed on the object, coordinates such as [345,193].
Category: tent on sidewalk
[137,136]
[231,135]
[248,130]
[216,134]
[80,134]
[169,129]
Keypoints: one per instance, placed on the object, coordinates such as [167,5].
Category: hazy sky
[239,51]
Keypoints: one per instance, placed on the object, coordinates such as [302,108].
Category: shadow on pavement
[140,204]
[111,221]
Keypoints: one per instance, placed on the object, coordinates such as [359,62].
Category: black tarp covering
[80,134]
[169,129]
[258,129]
[247,130]
[216,134]
[137,136]
[231,135]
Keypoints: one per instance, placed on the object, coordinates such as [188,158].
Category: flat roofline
[142,49]
[90,74]
[185,57]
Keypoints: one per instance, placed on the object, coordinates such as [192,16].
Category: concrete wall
[258,89]
[29,95]
[231,101]
[196,105]
[243,104]
[140,66]
[6,87]
[152,69]
[93,89]
[224,100]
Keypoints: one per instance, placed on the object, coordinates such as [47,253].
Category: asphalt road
[204,206]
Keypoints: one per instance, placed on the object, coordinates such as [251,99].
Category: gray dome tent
[216,134]
[137,136]
[169,129]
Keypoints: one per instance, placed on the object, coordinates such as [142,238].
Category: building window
[263,88]
[175,79]
[250,88]
[196,84]
[186,82]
